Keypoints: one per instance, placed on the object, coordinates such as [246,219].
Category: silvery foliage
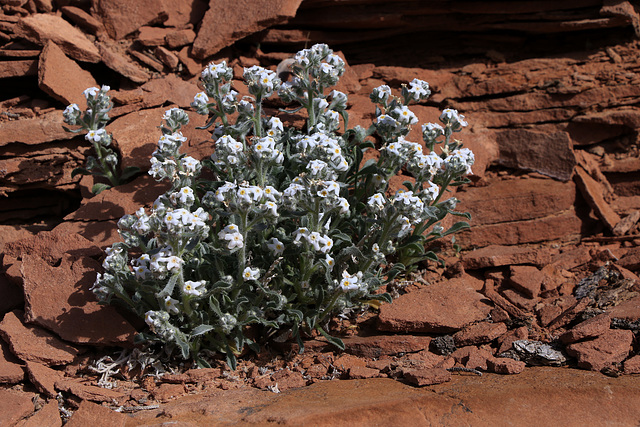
[293,228]
[93,120]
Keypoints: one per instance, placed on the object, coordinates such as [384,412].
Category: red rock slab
[11,371]
[593,194]
[12,296]
[62,78]
[442,308]
[537,396]
[166,392]
[25,67]
[43,378]
[48,415]
[176,39]
[628,310]
[227,21]
[526,279]
[168,58]
[91,414]
[504,365]
[631,259]
[566,227]
[121,64]
[31,343]
[548,154]
[80,389]
[348,361]
[37,130]
[632,365]
[480,333]
[42,27]
[184,12]
[611,347]
[15,405]
[115,202]
[426,376]
[82,19]
[174,90]
[591,328]
[472,357]
[496,256]
[59,299]
[123,17]
[152,36]
[362,372]
[101,233]
[385,345]
[51,246]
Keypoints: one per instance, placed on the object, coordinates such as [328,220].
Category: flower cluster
[93,120]
[292,226]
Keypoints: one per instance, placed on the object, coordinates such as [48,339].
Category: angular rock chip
[91,414]
[62,78]
[611,347]
[37,130]
[15,405]
[441,308]
[123,17]
[592,192]
[31,343]
[11,371]
[48,415]
[44,378]
[42,27]
[227,21]
[122,65]
[59,299]
[496,256]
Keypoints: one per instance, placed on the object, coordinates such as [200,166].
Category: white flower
[171,305]
[90,92]
[270,207]
[315,166]
[404,115]
[251,274]
[271,193]
[174,263]
[376,201]
[194,288]
[343,204]
[72,109]
[235,240]
[432,192]
[315,239]
[186,196]
[330,261]
[300,233]
[326,243]
[276,246]
[451,117]
[418,89]
[95,135]
[350,282]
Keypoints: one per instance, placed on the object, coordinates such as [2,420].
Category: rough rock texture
[611,347]
[122,17]
[91,414]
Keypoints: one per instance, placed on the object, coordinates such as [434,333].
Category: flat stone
[548,154]
[227,21]
[40,28]
[385,345]
[287,380]
[472,357]
[526,279]
[591,328]
[62,78]
[51,246]
[121,64]
[25,67]
[480,333]
[627,310]
[631,259]
[348,361]
[123,17]
[611,347]
[31,343]
[426,376]
[592,192]
[632,365]
[176,39]
[82,19]
[12,295]
[48,415]
[153,36]
[505,341]
[168,58]
[496,256]
[15,405]
[184,12]
[442,308]
[37,130]
[504,365]
[361,372]
[11,371]
[91,414]
[80,389]
[59,299]
[167,392]
[191,66]
[43,378]
[176,91]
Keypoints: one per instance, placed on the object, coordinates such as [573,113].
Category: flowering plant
[93,120]
[294,227]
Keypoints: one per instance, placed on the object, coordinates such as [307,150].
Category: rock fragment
[123,17]
[11,371]
[15,405]
[611,347]
[122,65]
[48,415]
[592,192]
[89,413]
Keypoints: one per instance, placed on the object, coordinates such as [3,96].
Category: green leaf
[201,330]
[458,226]
[168,289]
[386,297]
[332,340]
[182,343]
[99,188]
[80,171]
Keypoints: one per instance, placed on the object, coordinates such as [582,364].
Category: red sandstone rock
[192,67]
[61,77]
[48,415]
[362,372]
[347,361]
[504,365]
[472,357]
[229,20]
[167,392]
[495,256]
[152,36]
[610,347]
[59,299]
[505,341]
[479,333]
[82,19]
[15,405]
[80,389]
[631,259]
[627,310]
[385,345]
[632,365]
[548,154]
[443,307]
[121,64]
[184,13]
[592,192]
[122,17]
[30,343]
[38,130]
[167,57]
[40,28]
[100,233]
[11,371]
[427,376]
[176,91]
[89,414]
[526,279]
[26,67]
[286,379]
[12,295]
[591,328]
[519,300]
[176,39]
[43,378]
